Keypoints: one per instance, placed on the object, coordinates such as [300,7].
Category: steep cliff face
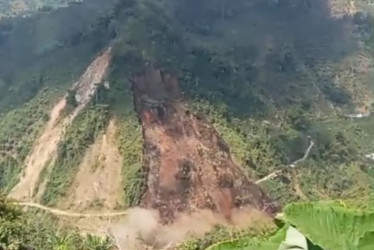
[189,165]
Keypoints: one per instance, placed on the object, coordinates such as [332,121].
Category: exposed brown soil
[42,152]
[189,165]
[45,148]
[87,85]
[97,185]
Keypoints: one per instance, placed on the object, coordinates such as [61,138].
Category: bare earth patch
[45,148]
[189,165]
[98,182]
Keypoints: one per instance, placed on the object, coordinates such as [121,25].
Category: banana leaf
[331,227]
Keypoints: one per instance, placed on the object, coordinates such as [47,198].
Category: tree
[70,99]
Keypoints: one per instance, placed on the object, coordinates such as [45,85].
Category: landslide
[189,165]
[45,148]
[98,181]
[42,152]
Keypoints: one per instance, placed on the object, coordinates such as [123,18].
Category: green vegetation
[130,137]
[223,234]
[37,70]
[131,148]
[262,100]
[79,135]
[327,225]
[267,101]
[66,240]
[268,82]
[19,129]
[220,59]
[330,226]
[249,139]
[96,243]
[265,243]
[263,146]
[19,230]
[59,46]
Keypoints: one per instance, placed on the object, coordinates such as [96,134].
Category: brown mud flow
[189,165]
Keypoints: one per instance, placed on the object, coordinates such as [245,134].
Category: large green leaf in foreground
[366,242]
[328,225]
[332,227]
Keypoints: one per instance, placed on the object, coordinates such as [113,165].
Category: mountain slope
[98,181]
[46,147]
[42,153]
[192,104]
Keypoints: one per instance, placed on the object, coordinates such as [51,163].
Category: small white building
[357,116]
[370,156]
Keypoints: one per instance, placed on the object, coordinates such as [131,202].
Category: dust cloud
[141,228]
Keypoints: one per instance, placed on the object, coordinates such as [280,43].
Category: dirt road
[292,165]
[68,213]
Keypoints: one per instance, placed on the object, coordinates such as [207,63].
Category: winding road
[292,165]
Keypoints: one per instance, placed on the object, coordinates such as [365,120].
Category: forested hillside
[269,83]
[238,108]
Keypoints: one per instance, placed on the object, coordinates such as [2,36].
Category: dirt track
[67,213]
[292,165]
